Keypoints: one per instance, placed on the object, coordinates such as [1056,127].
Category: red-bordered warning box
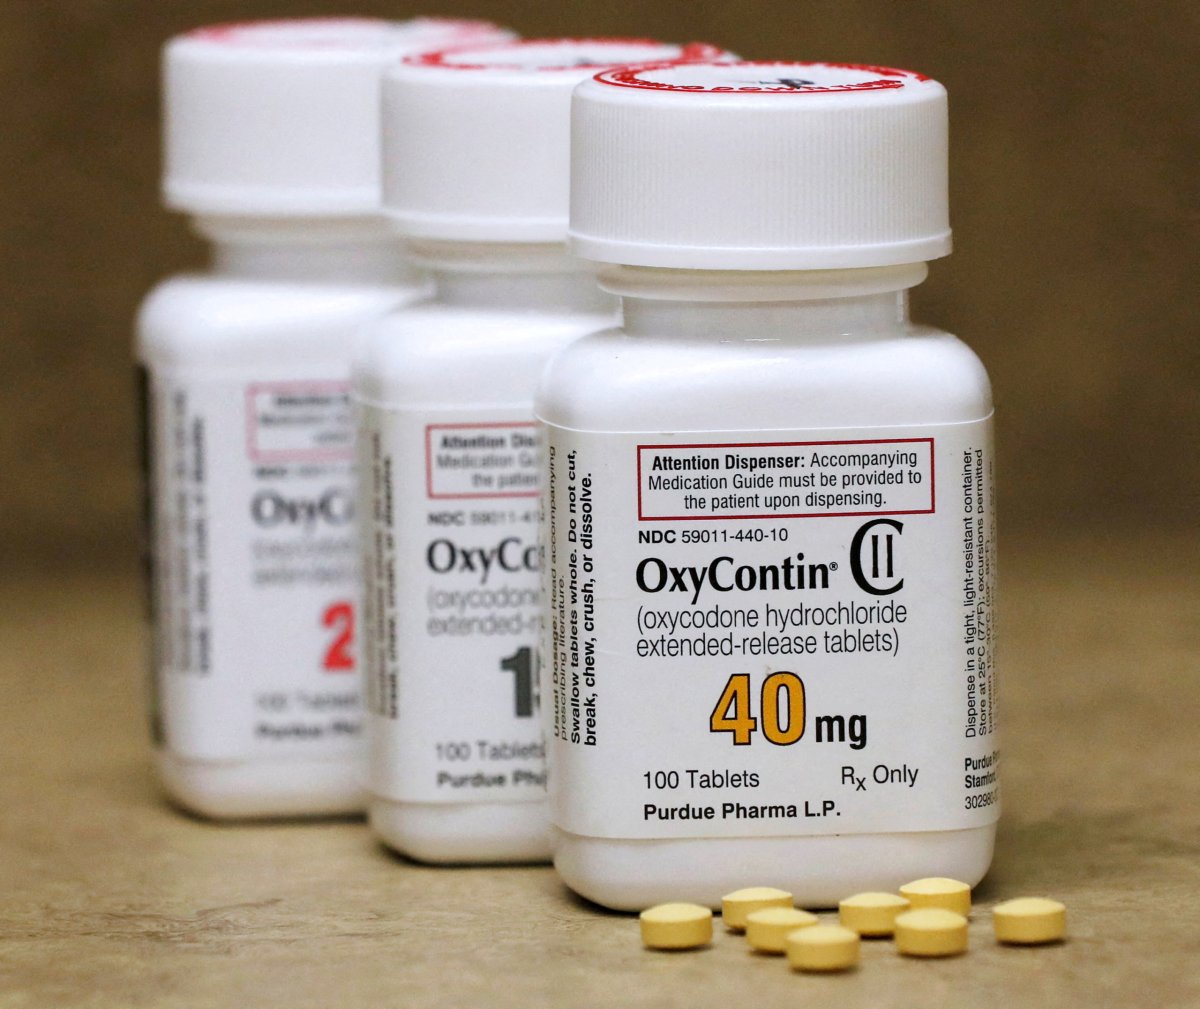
[482,460]
[806,479]
[299,422]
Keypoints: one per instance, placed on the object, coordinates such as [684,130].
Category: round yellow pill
[931,931]
[767,929]
[1028,921]
[676,926]
[737,905]
[937,891]
[822,947]
[872,913]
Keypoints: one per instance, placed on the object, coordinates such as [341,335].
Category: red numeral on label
[339,657]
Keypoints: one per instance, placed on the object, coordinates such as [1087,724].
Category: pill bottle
[271,145]
[770,506]
[476,167]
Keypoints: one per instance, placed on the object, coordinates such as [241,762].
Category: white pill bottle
[476,170]
[770,505]
[271,137]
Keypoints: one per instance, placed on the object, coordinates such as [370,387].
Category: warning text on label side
[785,479]
[481,460]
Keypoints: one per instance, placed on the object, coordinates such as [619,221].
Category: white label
[452,605]
[254,562]
[781,635]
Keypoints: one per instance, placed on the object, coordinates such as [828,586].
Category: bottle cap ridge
[477,138]
[280,118]
[759,166]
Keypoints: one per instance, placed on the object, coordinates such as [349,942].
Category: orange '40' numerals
[780,707]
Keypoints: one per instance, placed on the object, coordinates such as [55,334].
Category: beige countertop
[111,898]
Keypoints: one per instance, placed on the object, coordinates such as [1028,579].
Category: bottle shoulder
[613,381]
[217,321]
[429,351]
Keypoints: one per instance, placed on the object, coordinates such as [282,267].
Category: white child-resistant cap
[759,166]
[476,140]
[282,117]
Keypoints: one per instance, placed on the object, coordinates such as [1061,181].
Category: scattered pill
[822,947]
[737,905]
[931,931]
[939,892]
[676,926]
[872,913]
[767,929]
[1028,921]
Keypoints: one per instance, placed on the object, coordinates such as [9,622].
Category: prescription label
[452,604]
[770,635]
[254,565]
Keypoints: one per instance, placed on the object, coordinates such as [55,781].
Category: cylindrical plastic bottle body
[250,487]
[449,487]
[704,363]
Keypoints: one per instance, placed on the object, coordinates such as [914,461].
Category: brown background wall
[1075,210]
